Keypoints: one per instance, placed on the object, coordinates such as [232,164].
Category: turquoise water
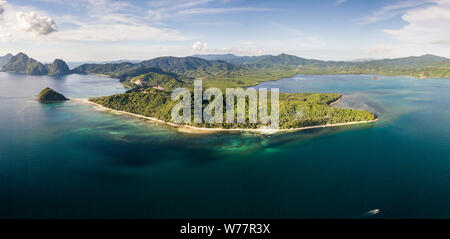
[70,160]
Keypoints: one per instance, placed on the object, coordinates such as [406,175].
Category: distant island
[48,94]
[296,110]
[22,64]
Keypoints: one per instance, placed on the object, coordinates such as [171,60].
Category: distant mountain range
[4,59]
[75,64]
[21,63]
[187,66]
[364,59]
[419,66]
[230,66]
[285,59]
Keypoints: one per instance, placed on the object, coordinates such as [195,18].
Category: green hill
[186,66]
[158,79]
[58,67]
[119,70]
[48,94]
[109,68]
[189,65]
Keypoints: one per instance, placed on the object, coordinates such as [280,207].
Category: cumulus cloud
[425,30]
[39,25]
[425,25]
[199,46]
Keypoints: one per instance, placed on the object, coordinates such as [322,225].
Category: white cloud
[113,21]
[169,8]
[39,25]
[393,10]
[166,9]
[426,29]
[105,21]
[24,24]
[426,25]
[199,46]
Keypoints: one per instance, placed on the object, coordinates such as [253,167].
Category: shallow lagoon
[71,160]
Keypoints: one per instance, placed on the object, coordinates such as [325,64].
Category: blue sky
[329,29]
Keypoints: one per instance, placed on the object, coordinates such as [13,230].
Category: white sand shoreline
[199,130]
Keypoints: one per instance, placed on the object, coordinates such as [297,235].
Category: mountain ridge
[4,59]
[291,59]
[230,66]
[23,64]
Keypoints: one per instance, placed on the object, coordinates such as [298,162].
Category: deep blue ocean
[70,160]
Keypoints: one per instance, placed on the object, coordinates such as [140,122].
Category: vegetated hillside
[48,94]
[260,61]
[243,71]
[190,65]
[158,79]
[187,66]
[296,109]
[58,67]
[121,71]
[419,66]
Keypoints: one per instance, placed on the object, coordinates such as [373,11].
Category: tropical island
[151,82]
[296,110]
[48,94]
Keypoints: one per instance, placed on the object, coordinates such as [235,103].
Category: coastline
[199,130]
[336,101]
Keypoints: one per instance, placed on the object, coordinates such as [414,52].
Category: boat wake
[372,212]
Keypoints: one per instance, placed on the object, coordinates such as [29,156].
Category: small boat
[373,212]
